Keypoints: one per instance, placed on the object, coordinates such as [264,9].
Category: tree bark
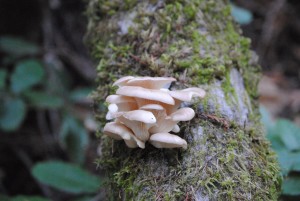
[197,42]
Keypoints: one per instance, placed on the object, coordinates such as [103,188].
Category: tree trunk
[197,42]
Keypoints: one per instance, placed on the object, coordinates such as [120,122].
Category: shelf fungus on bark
[143,110]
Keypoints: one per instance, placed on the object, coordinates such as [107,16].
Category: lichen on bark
[197,42]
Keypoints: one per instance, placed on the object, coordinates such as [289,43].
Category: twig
[269,34]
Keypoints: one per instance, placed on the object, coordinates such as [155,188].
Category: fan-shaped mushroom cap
[119,131]
[169,123]
[122,81]
[139,129]
[141,116]
[119,99]
[150,82]
[123,103]
[134,142]
[152,107]
[149,94]
[139,121]
[167,140]
[183,114]
[176,129]
[162,126]
[172,108]
[187,94]
[116,131]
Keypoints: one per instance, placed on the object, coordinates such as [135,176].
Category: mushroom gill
[143,110]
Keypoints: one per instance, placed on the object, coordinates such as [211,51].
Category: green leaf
[17,46]
[26,74]
[270,127]
[74,139]
[241,15]
[267,121]
[291,186]
[41,99]
[28,198]
[3,74]
[67,177]
[12,114]
[289,134]
[288,161]
[79,94]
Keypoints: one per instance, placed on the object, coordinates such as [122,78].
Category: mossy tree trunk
[197,42]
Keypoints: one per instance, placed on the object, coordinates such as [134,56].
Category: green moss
[197,42]
[228,89]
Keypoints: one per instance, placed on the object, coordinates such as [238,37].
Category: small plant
[30,86]
[285,138]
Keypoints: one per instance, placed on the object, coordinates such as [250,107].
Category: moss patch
[245,171]
[203,44]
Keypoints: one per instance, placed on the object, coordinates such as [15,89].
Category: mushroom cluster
[144,109]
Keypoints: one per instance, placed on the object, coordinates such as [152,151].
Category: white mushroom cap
[187,94]
[152,107]
[116,131]
[163,125]
[183,114]
[160,114]
[139,129]
[149,94]
[134,142]
[109,116]
[167,140]
[122,81]
[169,123]
[176,129]
[139,121]
[119,99]
[113,108]
[141,116]
[172,108]
[119,131]
[150,82]
[123,103]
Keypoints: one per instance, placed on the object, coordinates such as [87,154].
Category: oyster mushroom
[150,82]
[145,96]
[183,114]
[123,103]
[139,121]
[145,82]
[167,140]
[169,123]
[122,81]
[175,129]
[149,112]
[119,131]
[185,95]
